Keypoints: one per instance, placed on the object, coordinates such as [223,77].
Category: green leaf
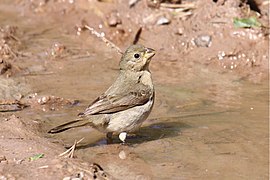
[35,157]
[246,22]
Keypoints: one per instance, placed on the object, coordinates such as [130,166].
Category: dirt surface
[210,119]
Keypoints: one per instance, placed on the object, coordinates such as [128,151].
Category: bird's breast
[146,79]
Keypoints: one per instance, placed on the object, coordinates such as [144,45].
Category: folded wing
[111,103]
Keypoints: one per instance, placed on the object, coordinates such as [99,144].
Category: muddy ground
[210,119]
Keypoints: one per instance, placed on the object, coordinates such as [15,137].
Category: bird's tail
[70,125]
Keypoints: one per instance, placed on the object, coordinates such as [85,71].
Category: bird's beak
[149,53]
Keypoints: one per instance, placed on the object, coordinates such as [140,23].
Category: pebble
[203,41]
[163,21]
[179,31]
[114,19]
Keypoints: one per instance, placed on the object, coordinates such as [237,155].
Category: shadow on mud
[144,134]
[170,127]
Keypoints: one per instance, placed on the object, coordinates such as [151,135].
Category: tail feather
[68,125]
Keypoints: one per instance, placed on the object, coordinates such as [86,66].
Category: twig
[70,152]
[14,54]
[183,14]
[178,6]
[137,36]
[102,37]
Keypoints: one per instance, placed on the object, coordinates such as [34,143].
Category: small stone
[43,100]
[179,31]
[163,21]
[151,19]
[203,41]
[153,3]
[114,19]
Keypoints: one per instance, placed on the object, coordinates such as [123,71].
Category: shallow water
[205,125]
[193,132]
[200,140]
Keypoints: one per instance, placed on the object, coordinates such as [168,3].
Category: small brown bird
[127,103]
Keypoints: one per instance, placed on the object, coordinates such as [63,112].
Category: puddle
[191,133]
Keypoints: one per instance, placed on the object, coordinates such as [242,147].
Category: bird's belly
[130,119]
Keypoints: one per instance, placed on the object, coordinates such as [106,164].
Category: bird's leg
[109,137]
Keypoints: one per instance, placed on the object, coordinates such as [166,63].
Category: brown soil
[50,67]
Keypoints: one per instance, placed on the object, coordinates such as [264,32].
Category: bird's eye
[137,56]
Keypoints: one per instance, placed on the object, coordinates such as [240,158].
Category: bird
[126,104]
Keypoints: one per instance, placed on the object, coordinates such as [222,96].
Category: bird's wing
[112,103]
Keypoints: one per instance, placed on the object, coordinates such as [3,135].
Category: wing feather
[112,103]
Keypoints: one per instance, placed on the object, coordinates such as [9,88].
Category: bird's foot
[122,136]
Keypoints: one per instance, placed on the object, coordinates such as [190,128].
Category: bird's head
[136,58]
